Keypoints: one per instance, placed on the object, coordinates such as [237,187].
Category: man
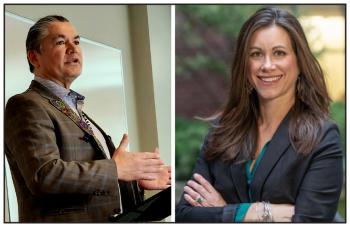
[64,166]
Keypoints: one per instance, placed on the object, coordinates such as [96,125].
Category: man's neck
[65,84]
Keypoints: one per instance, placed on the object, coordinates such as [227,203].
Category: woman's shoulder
[329,125]
[329,140]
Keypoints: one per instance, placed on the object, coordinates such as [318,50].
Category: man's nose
[71,48]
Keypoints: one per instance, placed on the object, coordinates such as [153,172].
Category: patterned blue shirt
[62,93]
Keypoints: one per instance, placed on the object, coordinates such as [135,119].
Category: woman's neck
[272,112]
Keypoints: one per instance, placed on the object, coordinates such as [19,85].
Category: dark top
[312,183]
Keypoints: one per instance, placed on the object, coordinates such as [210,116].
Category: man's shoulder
[28,99]
[28,95]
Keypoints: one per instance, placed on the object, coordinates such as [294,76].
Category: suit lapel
[66,110]
[277,147]
[61,106]
[240,181]
[107,138]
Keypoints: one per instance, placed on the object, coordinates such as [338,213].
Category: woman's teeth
[270,79]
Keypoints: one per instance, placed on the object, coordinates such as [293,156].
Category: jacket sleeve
[320,189]
[31,141]
[187,213]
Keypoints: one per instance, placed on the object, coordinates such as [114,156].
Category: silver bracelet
[257,212]
[267,214]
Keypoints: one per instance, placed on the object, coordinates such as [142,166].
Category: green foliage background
[226,20]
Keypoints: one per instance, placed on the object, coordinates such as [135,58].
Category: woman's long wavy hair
[234,136]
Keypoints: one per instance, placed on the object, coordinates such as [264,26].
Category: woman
[272,154]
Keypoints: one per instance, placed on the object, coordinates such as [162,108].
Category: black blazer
[312,183]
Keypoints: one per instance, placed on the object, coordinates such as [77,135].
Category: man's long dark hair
[234,136]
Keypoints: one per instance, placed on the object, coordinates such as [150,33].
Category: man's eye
[61,42]
[76,42]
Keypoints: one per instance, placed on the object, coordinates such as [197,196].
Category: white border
[173,66]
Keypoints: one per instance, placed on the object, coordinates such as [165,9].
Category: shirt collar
[57,89]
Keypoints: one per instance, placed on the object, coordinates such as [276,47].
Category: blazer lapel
[278,145]
[108,139]
[62,107]
[240,181]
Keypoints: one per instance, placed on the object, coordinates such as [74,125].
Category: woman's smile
[269,80]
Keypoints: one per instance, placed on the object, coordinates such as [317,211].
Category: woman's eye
[280,53]
[256,54]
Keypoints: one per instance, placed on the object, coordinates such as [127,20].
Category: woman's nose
[268,64]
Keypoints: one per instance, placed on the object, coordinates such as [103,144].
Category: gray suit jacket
[59,171]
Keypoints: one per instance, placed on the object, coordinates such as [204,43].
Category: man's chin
[73,76]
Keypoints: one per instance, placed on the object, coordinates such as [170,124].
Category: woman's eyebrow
[279,47]
[254,47]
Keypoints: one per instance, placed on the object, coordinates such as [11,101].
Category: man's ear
[32,56]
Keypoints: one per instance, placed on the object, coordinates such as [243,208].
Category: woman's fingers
[191,201]
[194,195]
[198,188]
[202,181]
[202,192]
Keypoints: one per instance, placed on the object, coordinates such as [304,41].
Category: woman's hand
[279,212]
[201,193]
[282,212]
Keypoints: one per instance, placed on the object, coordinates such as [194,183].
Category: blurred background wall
[141,33]
[205,38]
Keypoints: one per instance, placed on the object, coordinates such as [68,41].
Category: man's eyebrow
[63,36]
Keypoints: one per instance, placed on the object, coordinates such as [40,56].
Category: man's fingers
[123,143]
[150,155]
[152,169]
[148,176]
[156,150]
[153,162]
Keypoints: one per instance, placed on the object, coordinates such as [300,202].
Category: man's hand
[136,165]
[162,181]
